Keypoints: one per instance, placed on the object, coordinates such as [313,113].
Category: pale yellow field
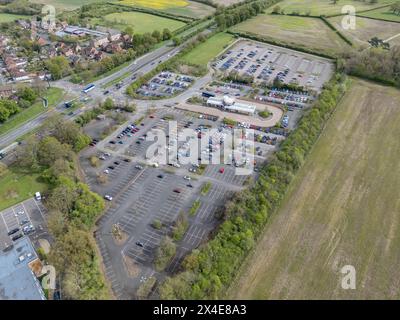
[156,4]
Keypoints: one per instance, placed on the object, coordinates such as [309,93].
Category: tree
[164,253]
[167,34]
[74,258]
[276,10]
[50,150]
[27,93]
[176,41]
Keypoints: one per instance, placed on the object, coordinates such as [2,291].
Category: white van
[38,197]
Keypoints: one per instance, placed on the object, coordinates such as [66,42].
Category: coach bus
[88,88]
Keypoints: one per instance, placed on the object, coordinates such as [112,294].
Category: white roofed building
[229,104]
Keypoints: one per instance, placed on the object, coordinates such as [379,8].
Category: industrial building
[17,278]
[230,104]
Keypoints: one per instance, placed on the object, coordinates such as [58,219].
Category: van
[38,197]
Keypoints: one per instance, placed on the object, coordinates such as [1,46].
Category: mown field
[208,50]
[178,7]
[16,186]
[325,7]
[8,17]
[369,28]
[383,13]
[342,208]
[304,32]
[141,22]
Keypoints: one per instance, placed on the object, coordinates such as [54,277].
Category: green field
[341,209]
[325,7]
[311,33]
[383,13]
[17,186]
[369,28]
[205,52]
[8,17]
[53,95]
[140,22]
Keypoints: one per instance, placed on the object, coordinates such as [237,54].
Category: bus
[208,94]
[88,88]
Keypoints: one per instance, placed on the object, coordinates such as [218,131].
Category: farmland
[325,7]
[178,7]
[206,51]
[141,22]
[369,28]
[341,209]
[298,31]
[8,17]
[382,13]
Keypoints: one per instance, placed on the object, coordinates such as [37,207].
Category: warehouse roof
[17,281]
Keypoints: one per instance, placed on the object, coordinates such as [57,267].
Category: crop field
[8,17]
[368,28]
[382,13]
[342,209]
[325,7]
[141,22]
[304,32]
[208,50]
[179,7]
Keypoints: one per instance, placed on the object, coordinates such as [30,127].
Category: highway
[141,65]
[138,67]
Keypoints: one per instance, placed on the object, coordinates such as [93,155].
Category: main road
[141,65]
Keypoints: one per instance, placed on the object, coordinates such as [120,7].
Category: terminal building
[229,104]
[17,272]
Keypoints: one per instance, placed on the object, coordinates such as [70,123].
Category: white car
[108,198]
[106,171]
[187,178]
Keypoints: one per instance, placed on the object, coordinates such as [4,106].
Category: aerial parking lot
[265,62]
[25,219]
[164,85]
[146,201]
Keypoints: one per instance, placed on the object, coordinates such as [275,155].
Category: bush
[165,252]
[264,114]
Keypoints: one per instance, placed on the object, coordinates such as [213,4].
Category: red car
[222,170]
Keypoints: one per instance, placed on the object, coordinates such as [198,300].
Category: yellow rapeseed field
[157,4]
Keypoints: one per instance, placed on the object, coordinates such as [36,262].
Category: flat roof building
[229,104]
[17,280]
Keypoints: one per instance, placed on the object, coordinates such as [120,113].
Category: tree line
[375,64]
[230,16]
[211,269]
[73,208]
